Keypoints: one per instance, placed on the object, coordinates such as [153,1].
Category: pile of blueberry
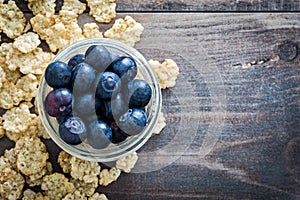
[97,97]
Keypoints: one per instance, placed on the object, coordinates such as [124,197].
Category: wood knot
[288,51]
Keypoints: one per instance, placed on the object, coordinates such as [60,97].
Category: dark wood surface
[233,119]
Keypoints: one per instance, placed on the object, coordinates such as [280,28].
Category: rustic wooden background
[235,108]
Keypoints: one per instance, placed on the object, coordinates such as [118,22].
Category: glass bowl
[114,151]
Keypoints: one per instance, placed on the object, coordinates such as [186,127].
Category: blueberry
[99,134]
[58,74]
[75,60]
[98,57]
[106,110]
[73,130]
[125,68]
[84,104]
[117,134]
[58,102]
[83,78]
[139,93]
[107,82]
[133,121]
[119,105]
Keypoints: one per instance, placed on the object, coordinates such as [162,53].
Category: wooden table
[233,119]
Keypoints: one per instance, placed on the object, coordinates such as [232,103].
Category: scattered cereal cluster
[109,176]
[166,72]
[40,6]
[84,170]
[127,163]
[18,119]
[74,5]
[27,42]
[12,21]
[126,30]
[31,154]
[56,186]
[102,10]
[91,30]
[22,63]
[29,194]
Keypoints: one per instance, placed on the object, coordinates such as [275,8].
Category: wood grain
[235,106]
[196,5]
[256,153]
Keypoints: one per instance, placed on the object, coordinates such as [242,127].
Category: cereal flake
[84,170]
[64,161]
[61,35]
[29,194]
[109,176]
[10,96]
[166,72]
[127,163]
[161,123]
[34,62]
[12,76]
[27,42]
[12,20]
[102,10]
[36,179]
[126,30]
[29,84]
[56,186]
[41,22]
[31,155]
[11,158]
[18,119]
[91,30]
[74,5]
[32,129]
[11,184]
[87,189]
[41,6]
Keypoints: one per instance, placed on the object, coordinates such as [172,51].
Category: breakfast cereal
[29,194]
[12,20]
[109,176]
[91,30]
[103,11]
[84,170]
[18,119]
[11,184]
[27,42]
[31,155]
[166,72]
[29,84]
[126,30]
[87,189]
[64,161]
[127,163]
[56,186]
[40,6]
[74,5]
